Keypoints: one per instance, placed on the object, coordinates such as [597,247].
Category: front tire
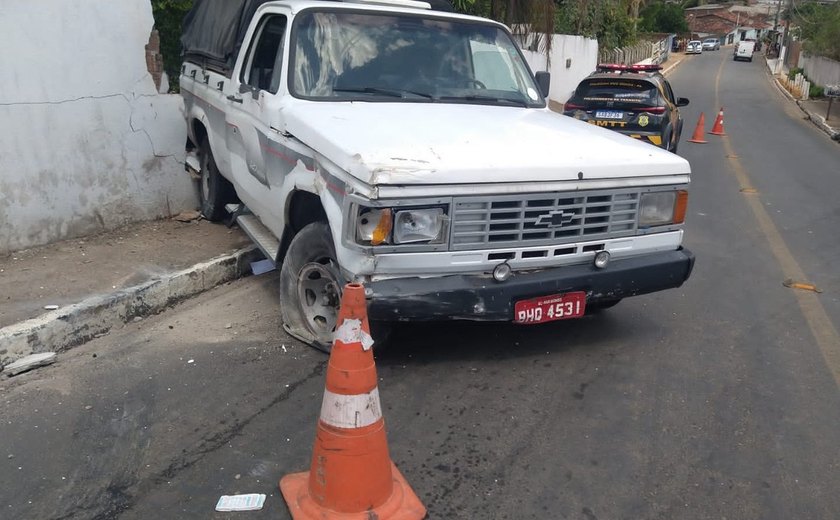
[311,284]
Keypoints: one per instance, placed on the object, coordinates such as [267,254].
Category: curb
[819,121]
[79,323]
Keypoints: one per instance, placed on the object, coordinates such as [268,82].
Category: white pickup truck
[411,150]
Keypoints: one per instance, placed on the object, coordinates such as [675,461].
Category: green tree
[663,18]
[608,21]
[169,16]
[819,26]
[524,17]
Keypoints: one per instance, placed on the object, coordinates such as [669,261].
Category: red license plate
[550,308]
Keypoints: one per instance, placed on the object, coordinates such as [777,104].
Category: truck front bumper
[481,298]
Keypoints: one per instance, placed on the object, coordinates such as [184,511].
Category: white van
[744,50]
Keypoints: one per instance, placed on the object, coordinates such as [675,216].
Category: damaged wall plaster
[87,144]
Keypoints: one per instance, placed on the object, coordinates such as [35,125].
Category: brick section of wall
[154,59]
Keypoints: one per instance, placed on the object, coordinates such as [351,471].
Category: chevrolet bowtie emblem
[555,219]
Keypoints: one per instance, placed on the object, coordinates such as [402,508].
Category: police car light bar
[628,68]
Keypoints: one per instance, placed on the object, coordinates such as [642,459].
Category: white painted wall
[86,142]
[583,53]
[822,71]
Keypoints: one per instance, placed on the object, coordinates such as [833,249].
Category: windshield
[367,56]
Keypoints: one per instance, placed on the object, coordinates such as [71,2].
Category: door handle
[235,99]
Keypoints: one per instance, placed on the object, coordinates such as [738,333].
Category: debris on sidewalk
[30,362]
[187,216]
[50,307]
[250,502]
[262,266]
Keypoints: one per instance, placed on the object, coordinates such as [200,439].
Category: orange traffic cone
[698,130]
[351,475]
[717,128]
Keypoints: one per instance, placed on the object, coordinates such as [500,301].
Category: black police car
[635,100]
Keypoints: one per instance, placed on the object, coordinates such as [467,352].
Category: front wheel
[311,284]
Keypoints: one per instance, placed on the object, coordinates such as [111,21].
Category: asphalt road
[716,400]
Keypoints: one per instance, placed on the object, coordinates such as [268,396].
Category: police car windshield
[618,93]
[349,55]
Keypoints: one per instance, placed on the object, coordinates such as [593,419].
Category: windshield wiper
[491,99]
[392,92]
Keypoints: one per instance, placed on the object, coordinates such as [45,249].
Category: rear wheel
[214,191]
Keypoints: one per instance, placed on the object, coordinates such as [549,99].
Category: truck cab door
[256,83]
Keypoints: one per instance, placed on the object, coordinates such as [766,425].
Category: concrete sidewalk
[815,109]
[62,295]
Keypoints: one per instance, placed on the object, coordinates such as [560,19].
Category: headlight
[374,226]
[662,207]
[418,225]
[377,226]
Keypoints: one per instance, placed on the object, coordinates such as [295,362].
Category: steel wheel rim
[319,295]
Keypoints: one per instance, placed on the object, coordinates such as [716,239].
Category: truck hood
[425,143]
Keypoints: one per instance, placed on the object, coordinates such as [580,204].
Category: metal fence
[654,52]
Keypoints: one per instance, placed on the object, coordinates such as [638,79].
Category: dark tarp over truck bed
[214,29]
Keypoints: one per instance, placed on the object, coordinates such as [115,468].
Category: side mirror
[543,82]
[244,88]
[681,102]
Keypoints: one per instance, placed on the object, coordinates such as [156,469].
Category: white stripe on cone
[351,411]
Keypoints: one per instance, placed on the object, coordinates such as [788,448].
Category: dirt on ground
[68,272]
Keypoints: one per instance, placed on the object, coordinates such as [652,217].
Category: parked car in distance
[711,44]
[694,47]
[744,50]
[635,100]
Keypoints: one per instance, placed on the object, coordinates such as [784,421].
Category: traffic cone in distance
[351,475]
[698,130]
[717,128]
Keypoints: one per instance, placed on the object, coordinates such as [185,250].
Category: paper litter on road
[250,502]
[50,307]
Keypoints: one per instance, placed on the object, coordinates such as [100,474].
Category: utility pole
[787,29]
[776,19]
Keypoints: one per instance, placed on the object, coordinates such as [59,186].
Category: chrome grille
[542,218]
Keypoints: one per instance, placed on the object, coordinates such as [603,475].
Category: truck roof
[213,30]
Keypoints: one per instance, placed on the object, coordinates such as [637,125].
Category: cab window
[618,93]
[265,59]
[492,67]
